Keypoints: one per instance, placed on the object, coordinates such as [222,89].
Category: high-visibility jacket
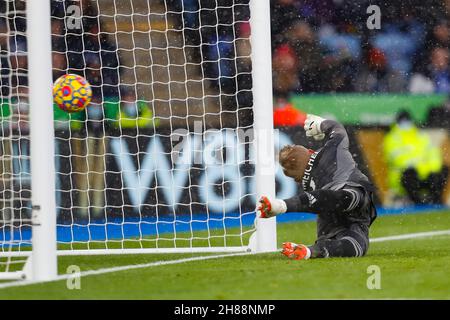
[136,115]
[409,148]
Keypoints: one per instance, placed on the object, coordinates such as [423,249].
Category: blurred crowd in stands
[318,46]
[326,46]
[82,49]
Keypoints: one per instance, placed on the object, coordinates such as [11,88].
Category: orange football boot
[296,251]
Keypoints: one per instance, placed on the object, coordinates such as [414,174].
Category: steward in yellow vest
[132,113]
[415,165]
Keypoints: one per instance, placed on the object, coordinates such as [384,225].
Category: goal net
[163,159]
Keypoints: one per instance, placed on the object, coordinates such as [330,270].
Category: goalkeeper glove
[312,127]
[268,208]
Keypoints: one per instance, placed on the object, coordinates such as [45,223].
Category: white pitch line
[201,258]
[412,236]
[121,268]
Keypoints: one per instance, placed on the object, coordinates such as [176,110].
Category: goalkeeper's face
[293,160]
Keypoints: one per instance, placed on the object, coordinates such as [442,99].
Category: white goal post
[174,149]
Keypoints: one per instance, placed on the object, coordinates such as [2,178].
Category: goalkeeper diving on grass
[332,187]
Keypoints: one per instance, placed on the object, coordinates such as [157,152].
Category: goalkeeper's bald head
[293,160]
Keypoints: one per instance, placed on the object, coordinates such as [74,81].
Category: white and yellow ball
[72,93]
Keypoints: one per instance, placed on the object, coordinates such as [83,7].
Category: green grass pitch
[411,269]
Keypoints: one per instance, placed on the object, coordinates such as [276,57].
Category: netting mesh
[14,158]
[162,157]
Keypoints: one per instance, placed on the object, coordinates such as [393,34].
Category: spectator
[285,68]
[375,76]
[134,113]
[4,69]
[284,14]
[399,43]
[59,60]
[436,76]
[439,70]
[438,36]
[343,51]
[18,61]
[415,165]
[101,63]
[302,39]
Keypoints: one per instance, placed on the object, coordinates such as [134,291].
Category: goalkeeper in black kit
[332,187]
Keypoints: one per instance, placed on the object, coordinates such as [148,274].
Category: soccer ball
[72,93]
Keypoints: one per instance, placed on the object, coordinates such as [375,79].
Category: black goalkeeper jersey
[332,168]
